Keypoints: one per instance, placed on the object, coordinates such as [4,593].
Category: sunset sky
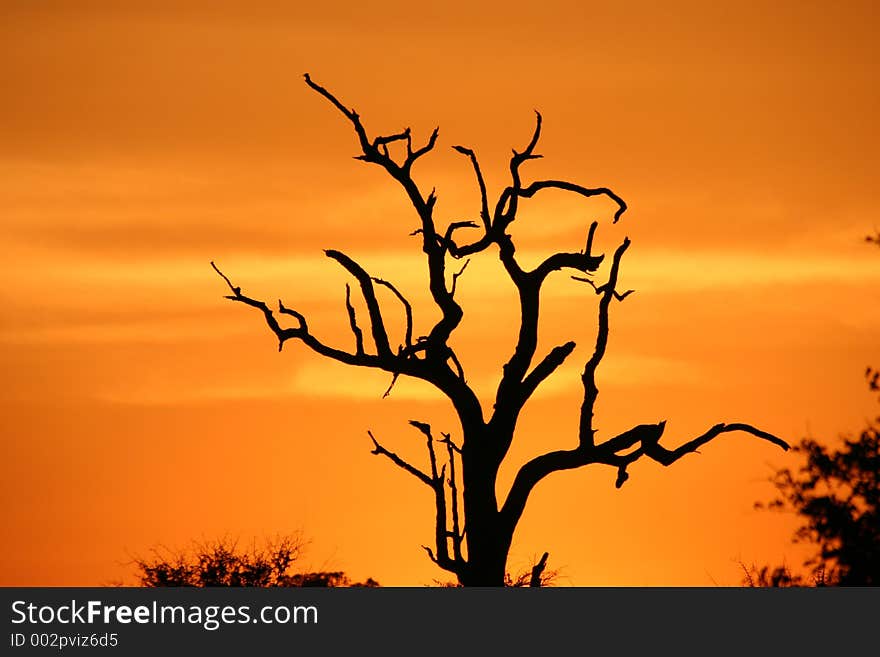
[141,140]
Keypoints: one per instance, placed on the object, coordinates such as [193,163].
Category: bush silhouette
[836,493]
[223,563]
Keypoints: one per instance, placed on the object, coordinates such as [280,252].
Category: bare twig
[600,289]
[351,115]
[449,244]
[431,554]
[394,378]
[407,309]
[235,290]
[456,275]
[412,156]
[592,233]
[414,471]
[484,202]
[352,321]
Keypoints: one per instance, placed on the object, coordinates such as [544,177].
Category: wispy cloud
[319,379]
[314,276]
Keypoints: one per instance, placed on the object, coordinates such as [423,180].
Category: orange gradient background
[142,140]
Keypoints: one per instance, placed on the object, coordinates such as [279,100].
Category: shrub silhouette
[223,563]
[836,493]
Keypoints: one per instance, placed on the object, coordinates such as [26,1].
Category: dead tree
[474,528]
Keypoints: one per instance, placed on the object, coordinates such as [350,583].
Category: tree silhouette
[836,492]
[837,495]
[222,563]
[474,528]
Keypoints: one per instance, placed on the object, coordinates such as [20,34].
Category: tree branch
[384,141]
[648,435]
[426,431]
[506,207]
[377,325]
[513,390]
[434,368]
[534,471]
[441,534]
[301,332]
[352,321]
[456,534]
[390,387]
[591,391]
[412,156]
[456,275]
[437,372]
[600,289]
[459,251]
[484,202]
[424,207]
[414,471]
[351,115]
[293,313]
[407,309]
[590,235]
[579,261]
[586,192]
[377,153]
[545,368]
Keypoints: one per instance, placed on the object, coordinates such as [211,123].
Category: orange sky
[138,144]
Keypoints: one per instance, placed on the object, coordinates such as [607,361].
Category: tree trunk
[488,541]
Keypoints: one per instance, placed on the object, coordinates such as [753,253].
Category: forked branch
[516,385]
[376,151]
[621,450]
[300,332]
[456,534]
[641,440]
[588,378]
[377,324]
[438,482]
